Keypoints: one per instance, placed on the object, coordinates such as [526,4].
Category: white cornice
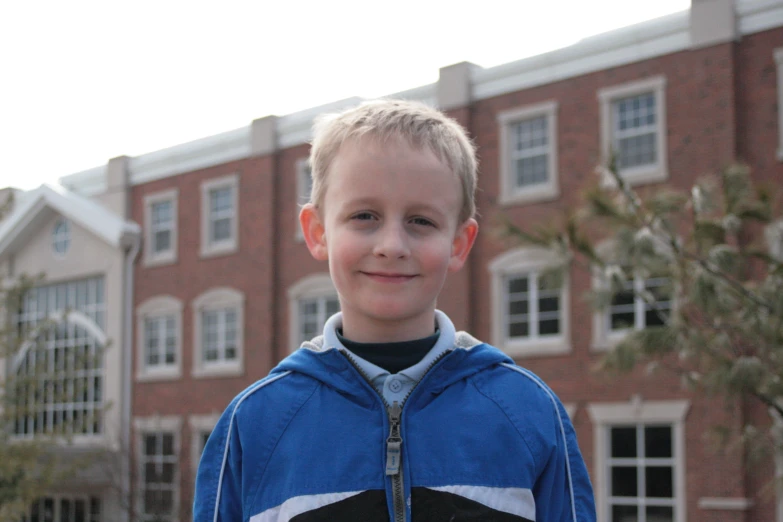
[664,35]
[661,36]
[754,16]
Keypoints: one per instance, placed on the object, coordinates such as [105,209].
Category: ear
[314,232]
[463,242]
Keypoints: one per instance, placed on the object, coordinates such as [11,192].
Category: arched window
[311,301]
[58,373]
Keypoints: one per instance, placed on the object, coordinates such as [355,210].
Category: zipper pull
[394,442]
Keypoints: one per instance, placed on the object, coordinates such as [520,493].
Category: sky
[84,81]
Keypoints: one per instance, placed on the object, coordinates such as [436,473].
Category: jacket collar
[458,356]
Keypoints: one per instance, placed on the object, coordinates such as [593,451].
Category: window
[644,302]
[65,509]
[160,216]
[633,128]
[528,154]
[779,62]
[304,185]
[530,317]
[313,313]
[640,460]
[158,468]
[219,323]
[220,216]
[201,427]
[58,375]
[61,236]
[774,236]
[629,310]
[312,301]
[159,335]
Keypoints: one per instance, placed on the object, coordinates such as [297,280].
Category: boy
[391,414]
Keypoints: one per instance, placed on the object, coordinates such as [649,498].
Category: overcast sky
[84,81]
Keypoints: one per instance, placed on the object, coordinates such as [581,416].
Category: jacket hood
[327,360]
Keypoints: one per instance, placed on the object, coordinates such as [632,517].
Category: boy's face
[389,228]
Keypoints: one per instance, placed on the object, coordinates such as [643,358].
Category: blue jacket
[477,439]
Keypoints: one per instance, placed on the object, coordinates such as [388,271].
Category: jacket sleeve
[218,495]
[563,492]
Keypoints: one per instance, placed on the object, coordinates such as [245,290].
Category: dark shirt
[392,357]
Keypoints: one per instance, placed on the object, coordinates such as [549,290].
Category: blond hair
[421,126]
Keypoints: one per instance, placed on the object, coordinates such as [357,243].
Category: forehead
[391,170]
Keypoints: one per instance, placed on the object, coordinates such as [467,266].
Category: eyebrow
[417,207]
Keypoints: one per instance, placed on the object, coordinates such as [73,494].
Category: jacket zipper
[394,440]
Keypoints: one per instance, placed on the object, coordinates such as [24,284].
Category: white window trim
[301,194]
[158,306]
[509,194]
[157,424]
[773,234]
[312,286]
[644,174]
[230,245]
[779,63]
[66,237]
[152,258]
[636,411]
[216,298]
[199,424]
[520,261]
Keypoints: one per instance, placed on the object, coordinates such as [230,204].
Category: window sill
[218,370]
[540,193]
[162,374]
[168,258]
[219,249]
[637,176]
[538,347]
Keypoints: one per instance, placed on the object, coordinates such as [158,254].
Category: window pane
[332,307]
[637,151]
[622,321]
[150,445]
[531,171]
[162,240]
[549,327]
[660,481]
[518,329]
[660,514]
[151,475]
[623,442]
[66,510]
[517,307]
[220,200]
[658,441]
[624,481]
[80,511]
[221,229]
[168,444]
[518,285]
[625,514]
[161,213]
[549,304]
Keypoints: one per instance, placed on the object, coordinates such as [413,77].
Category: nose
[392,242]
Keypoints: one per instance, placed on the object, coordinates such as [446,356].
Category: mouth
[384,277]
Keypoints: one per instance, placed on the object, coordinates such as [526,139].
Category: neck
[368,330]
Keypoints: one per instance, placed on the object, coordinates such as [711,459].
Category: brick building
[224,286]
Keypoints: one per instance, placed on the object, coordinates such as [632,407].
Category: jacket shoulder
[528,403]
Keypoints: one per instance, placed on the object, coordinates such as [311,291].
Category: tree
[32,462]
[716,252]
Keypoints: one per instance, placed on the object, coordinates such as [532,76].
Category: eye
[363,216]
[422,222]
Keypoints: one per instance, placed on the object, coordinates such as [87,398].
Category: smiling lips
[383,277]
